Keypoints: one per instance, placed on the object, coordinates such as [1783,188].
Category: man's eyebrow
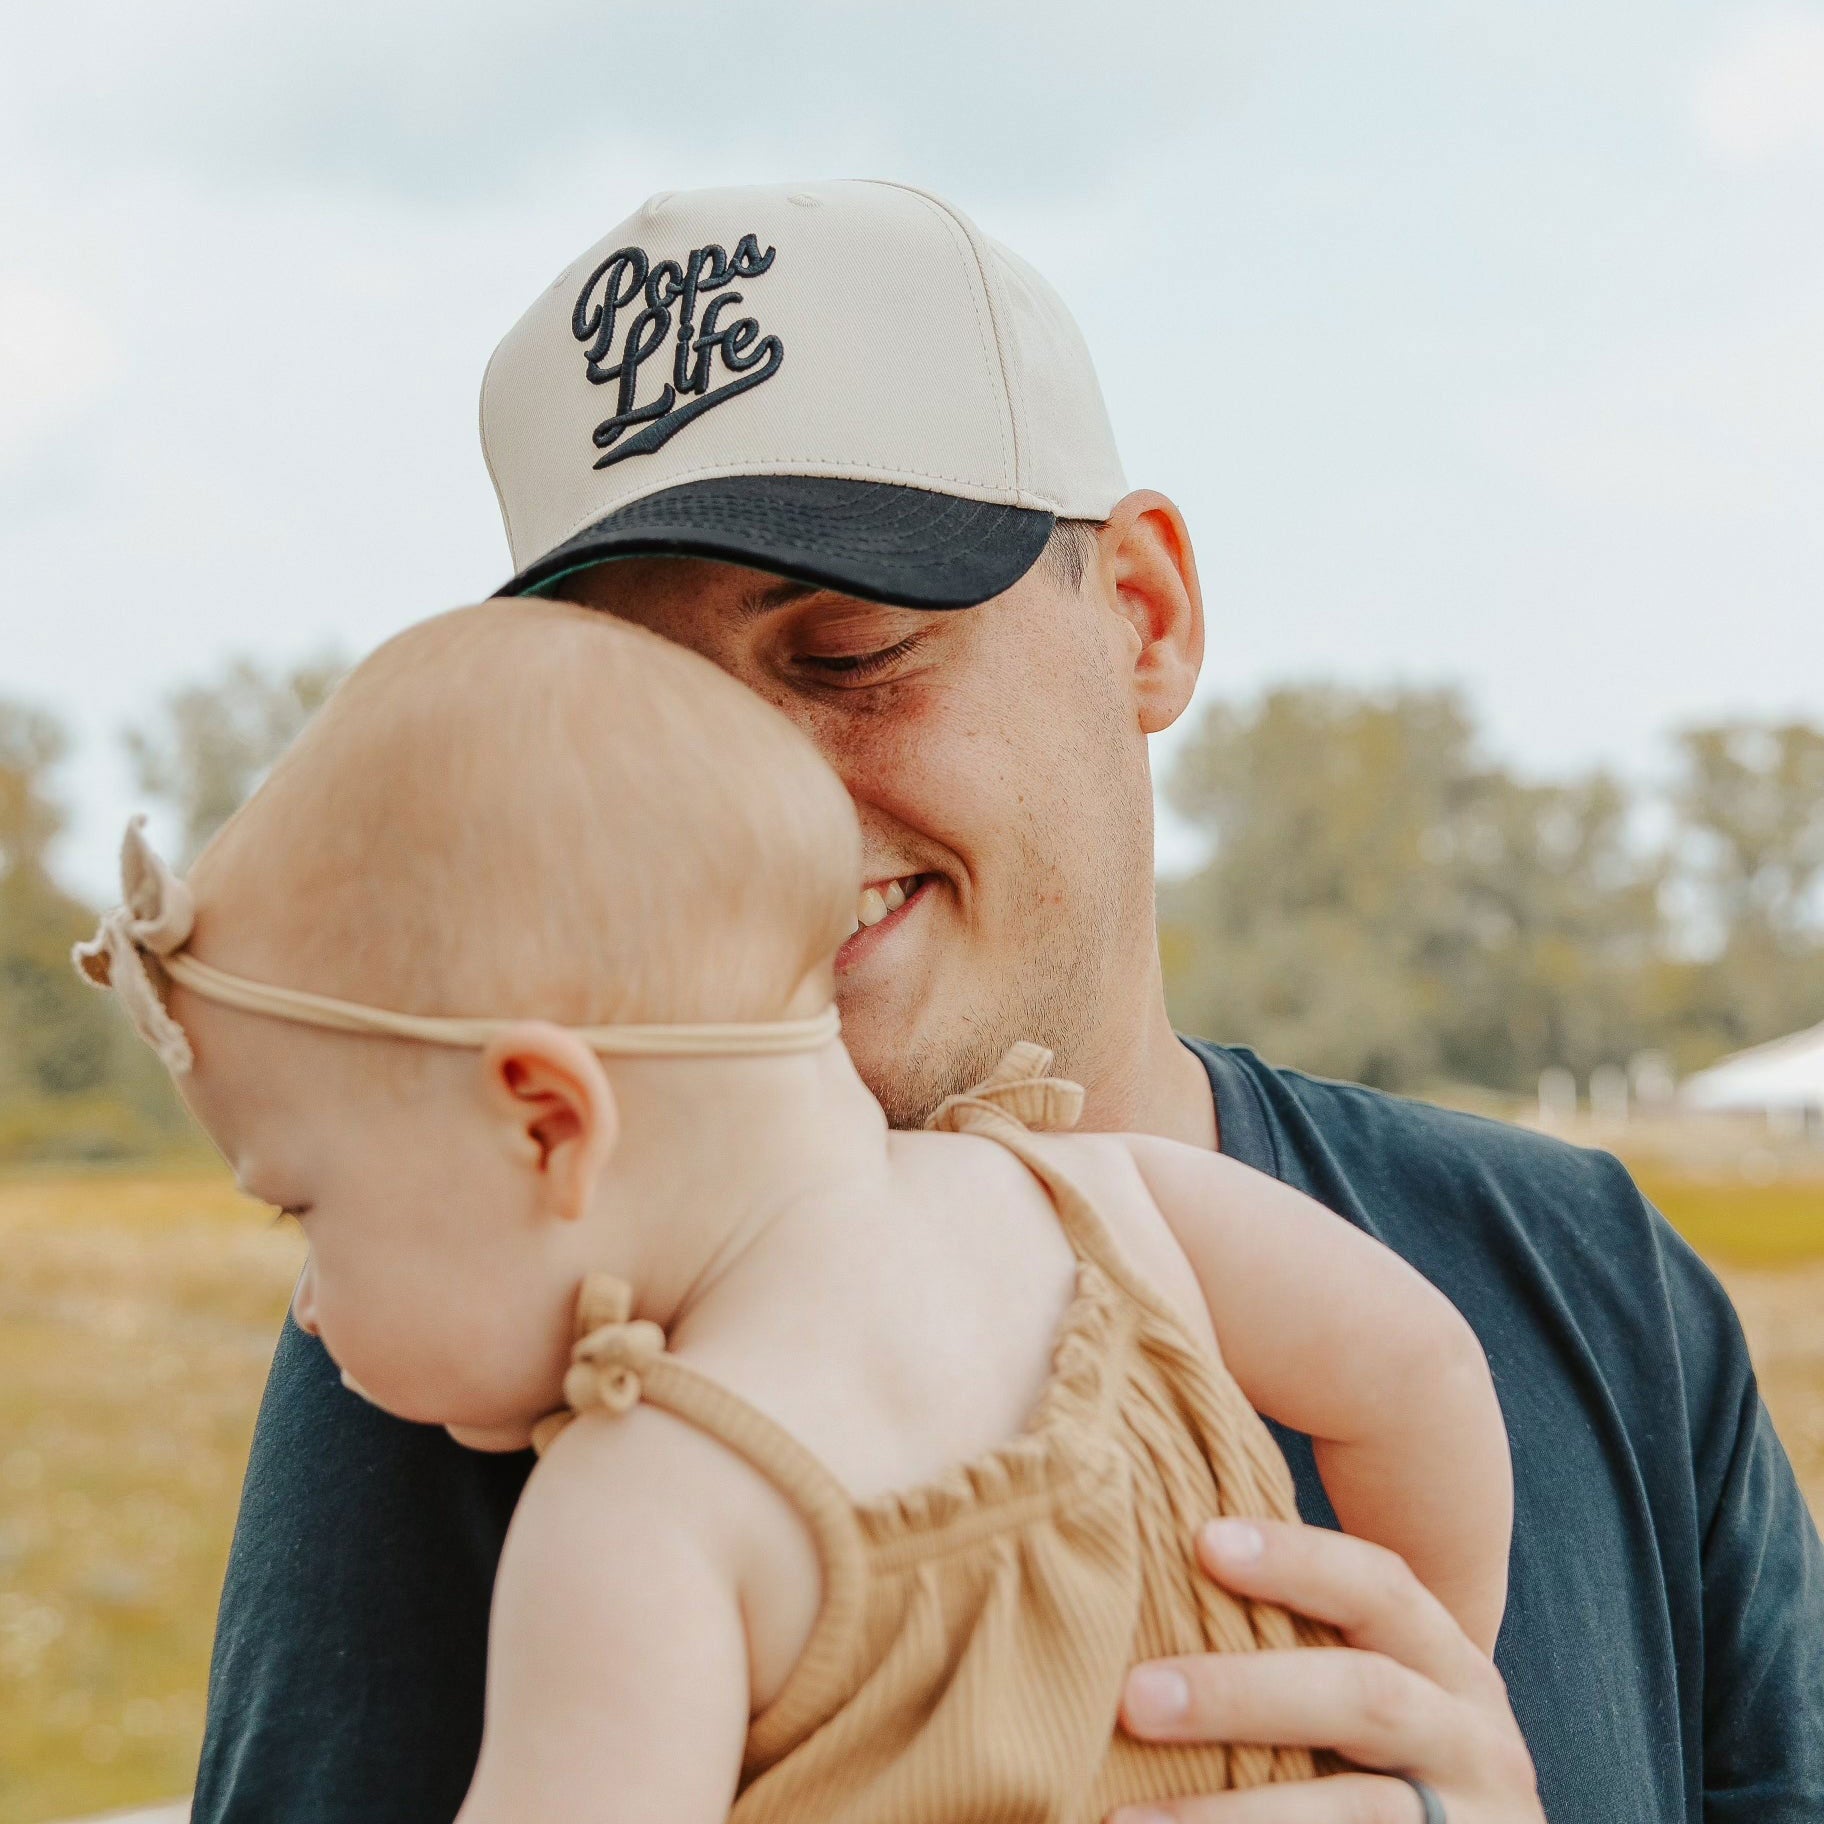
[780,593]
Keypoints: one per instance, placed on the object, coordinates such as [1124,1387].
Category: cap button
[802,200]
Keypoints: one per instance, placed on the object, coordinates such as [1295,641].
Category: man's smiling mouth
[879,909]
[884,898]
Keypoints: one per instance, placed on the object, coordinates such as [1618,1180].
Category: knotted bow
[155,919]
[1019,1089]
[613,1349]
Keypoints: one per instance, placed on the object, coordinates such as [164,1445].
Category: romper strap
[1016,1098]
[619,1360]
[1019,1089]
[1251,1474]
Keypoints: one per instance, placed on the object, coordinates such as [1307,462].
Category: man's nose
[304,1301]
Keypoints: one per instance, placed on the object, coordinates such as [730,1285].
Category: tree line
[1383,902]
[75,1082]
[1379,900]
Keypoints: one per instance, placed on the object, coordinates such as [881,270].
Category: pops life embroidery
[628,310]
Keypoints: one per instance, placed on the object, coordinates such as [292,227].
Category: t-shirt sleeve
[351,1643]
[1763,1572]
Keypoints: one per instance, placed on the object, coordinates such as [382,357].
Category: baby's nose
[304,1301]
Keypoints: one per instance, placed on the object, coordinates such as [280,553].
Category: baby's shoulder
[1108,1170]
[620,1474]
[980,1169]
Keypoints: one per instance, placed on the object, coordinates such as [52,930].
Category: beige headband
[157,914]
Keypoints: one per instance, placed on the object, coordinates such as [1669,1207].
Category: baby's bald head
[531,809]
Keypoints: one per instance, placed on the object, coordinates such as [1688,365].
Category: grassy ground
[1736,1224]
[137,1315]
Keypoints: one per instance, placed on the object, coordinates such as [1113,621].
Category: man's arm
[351,1644]
[1335,1336]
[1763,1571]
[1764,1639]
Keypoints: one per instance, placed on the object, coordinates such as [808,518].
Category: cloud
[1713,421]
[54,365]
[1761,97]
[1306,244]
[464,99]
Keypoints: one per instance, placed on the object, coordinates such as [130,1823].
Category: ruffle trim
[1047,1454]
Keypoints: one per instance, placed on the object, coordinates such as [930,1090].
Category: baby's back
[902,1337]
[1012,1382]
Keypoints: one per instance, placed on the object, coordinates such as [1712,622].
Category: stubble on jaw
[1063,987]
[1048,1013]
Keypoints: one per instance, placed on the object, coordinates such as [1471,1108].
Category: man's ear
[560,1112]
[1149,577]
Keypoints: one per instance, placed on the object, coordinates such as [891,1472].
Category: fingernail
[1157,1694]
[1233,1541]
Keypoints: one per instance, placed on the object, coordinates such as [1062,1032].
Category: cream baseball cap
[844,383]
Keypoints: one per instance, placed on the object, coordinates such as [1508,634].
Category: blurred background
[1479,343]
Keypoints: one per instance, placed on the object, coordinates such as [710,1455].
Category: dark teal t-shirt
[1664,1638]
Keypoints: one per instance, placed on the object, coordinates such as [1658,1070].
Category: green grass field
[137,1317]
[1735,1223]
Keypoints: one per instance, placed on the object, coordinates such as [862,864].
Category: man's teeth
[875,904]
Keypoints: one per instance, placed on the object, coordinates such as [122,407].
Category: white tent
[1784,1076]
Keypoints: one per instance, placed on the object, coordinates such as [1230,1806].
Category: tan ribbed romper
[968,1659]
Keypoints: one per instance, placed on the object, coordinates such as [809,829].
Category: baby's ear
[559,1109]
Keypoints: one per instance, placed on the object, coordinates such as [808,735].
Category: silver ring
[1434,1806]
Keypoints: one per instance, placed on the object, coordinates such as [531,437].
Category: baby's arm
[1334,1335]
[617,1657]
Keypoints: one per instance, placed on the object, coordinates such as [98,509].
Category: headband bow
[155,919]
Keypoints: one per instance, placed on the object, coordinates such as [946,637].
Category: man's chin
[909,1065]
[884,1041]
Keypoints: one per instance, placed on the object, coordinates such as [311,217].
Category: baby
[872,1460]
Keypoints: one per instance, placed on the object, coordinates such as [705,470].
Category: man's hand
[1410,1693]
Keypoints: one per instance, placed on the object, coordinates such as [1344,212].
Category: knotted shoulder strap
[1020,1090]
[1250,1473]
[619,1360]
[1018,1097]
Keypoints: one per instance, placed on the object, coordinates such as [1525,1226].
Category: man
[854,453]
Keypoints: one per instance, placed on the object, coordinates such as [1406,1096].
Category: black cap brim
[909,546]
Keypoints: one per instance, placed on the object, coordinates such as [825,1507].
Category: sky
[1481,344]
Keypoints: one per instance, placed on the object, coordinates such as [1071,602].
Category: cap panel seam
[1013,430]
[985,324]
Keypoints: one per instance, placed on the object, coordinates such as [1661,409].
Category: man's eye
[861,664]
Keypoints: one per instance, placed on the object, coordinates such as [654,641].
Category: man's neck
[1144,1080]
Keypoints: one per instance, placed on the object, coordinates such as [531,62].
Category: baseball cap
[843,383]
